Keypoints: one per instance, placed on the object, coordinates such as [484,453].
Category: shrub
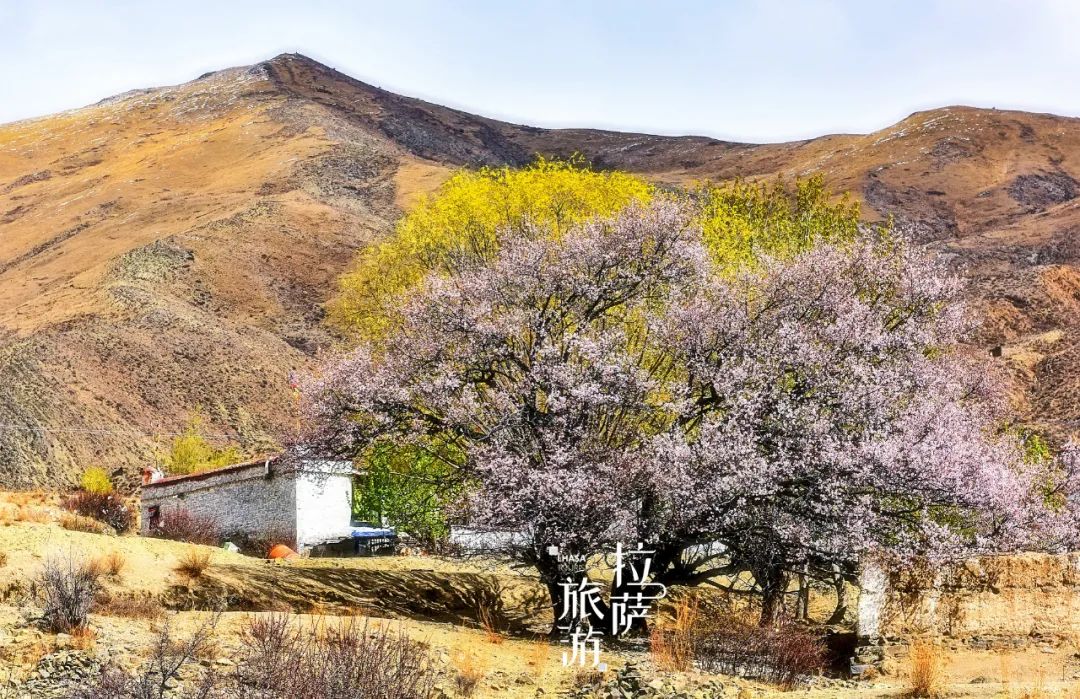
[927,676]
[65,590]
[193,564]
[181,525]
[3,558]
[78,523]
[783,655]
[286,660]
[170,660]
[111,564]
[95,480]
[104,507]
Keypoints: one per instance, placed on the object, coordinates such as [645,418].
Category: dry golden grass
[926,676]
[538,657]
[468,673]
[131,607]
[115,563]
[671,644]
[30,513]
[83,638]
[78,523]
[193,564]
[488,619]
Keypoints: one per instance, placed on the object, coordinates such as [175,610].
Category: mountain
[172,248]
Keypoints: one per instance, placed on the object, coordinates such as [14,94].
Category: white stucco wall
[323,506]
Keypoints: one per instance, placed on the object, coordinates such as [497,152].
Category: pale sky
[748,71]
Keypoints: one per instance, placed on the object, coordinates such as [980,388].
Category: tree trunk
[841,600]
[802,606]
[773,583]
[555,593]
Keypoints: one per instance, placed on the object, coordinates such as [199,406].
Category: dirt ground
[432,599]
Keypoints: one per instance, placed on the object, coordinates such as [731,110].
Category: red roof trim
[202,475]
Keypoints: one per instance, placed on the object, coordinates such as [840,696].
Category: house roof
[210,473]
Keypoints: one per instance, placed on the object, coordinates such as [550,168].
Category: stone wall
[988,603]
[301,504]
[251,499]
[1024,596]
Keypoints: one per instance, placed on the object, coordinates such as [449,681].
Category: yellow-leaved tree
[191,452]
[744,221]
[464,219]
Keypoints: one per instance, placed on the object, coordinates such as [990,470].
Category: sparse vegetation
[179,524]
[285,658]
[65,590]
[468,673]
[926,676]
[170,660]
[130,606]
[193,563]
[107,508]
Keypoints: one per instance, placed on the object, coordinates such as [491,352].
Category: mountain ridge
[173,247]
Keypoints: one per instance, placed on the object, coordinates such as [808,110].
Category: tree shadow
[517,605]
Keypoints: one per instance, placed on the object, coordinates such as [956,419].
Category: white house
[298,501]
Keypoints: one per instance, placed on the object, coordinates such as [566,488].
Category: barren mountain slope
[172,248]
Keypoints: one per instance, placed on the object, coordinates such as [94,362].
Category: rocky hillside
[172,248]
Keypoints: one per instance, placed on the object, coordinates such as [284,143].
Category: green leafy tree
[412,487]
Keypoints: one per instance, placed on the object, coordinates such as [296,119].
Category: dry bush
[193,563]
[285,659]
[181,525]
[130,607]
[170,660]
[783,655]
[107,508]
[671,645]
[65,589]
[78,523]
[926,676]
[3,558]
[115,563]
[110,565]
[468,673]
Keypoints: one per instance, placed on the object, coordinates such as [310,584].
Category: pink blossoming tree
[613,385]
